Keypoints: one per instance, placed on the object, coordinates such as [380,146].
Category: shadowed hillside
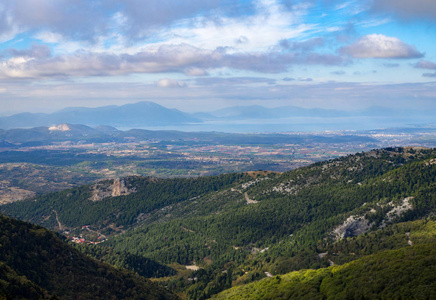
[35,263]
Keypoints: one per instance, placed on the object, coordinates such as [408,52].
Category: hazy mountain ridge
[129,115]
[143,114]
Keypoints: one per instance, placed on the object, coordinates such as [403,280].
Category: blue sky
[205,55]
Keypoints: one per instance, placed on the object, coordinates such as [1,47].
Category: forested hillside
[405,273]
[93,205]
[36,264]
[239,228]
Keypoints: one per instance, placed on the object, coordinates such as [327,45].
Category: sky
[205,55]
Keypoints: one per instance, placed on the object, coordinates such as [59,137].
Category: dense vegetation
[14,286]
[74,209]
[226,234]
[317,204]
[236,227]
[35,263]
[406,273]
[139,264]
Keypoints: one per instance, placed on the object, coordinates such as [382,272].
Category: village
[92,238]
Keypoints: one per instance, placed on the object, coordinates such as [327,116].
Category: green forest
[37,264]
[381,273]
[335,218]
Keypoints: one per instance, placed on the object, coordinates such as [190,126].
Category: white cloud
[233,81]
[170,83]
[195,39]
[374,22]
[192,71]
[140,18]
[49,37]
[271,23]
[182,58]
[380,46]
[343,5]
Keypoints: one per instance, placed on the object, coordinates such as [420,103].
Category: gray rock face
[103,190]
[353,226]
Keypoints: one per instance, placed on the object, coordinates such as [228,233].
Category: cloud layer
[114,37]
[192,61]
[381,46]
[211,49]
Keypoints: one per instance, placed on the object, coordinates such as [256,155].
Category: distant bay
[295,124]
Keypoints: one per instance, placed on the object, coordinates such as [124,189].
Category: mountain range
[129,115]
[360,226]
[149,114]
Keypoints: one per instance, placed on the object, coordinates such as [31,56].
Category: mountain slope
[237,227]
[91,205]
[397,274]
[396,262]
[14,286]
[316,198]
[44,262]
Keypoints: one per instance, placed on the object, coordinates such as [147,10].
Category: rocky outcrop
[116,187]
[353,226]
[397,210]
[358,224]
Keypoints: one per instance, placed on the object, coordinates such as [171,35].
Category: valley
[40,160]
